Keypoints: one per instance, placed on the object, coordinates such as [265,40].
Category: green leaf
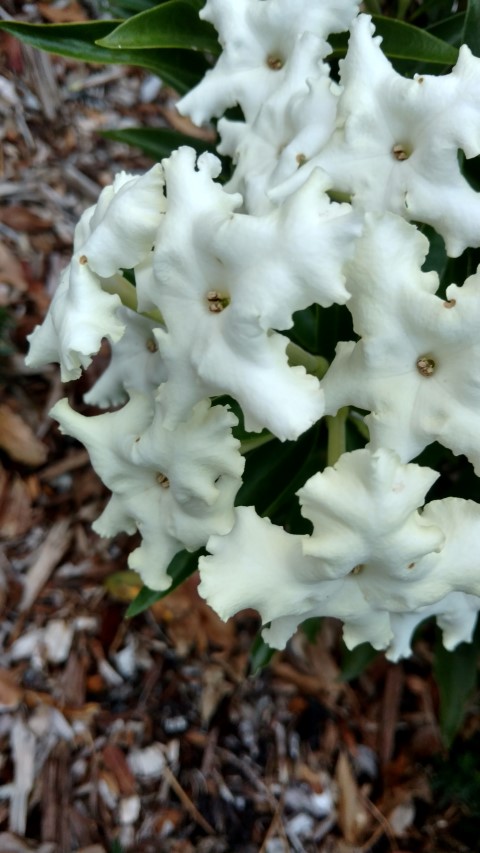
[404,41]
[181,567]
[260,655]
[157,142]
[130,6]
[181,69]
[471,34]
[456,675]
[451,29]
[355,661]
[311,628]
[173,24]
[275,471]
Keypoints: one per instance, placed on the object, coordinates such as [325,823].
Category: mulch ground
[152,734]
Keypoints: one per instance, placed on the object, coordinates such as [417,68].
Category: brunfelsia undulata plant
[295,348]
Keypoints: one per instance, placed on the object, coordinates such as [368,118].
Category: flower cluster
[329,177]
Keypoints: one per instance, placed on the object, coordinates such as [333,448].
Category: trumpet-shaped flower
[456,616]
[80,315]
[416,366]
[358,565]
[174,487]
[365,519]
[224,281]
[258,39]
[258,565]
[125,221]
[295,121]
[118,232]
[135,363]
[398,139]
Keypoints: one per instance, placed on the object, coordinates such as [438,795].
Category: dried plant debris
[150,734]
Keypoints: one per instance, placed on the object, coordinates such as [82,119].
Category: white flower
[357,566]
[258,38]
[135,363]
[125,221]
[258,565]
[174,487]
[223,283]
[294,122]
[80,315]
[456,615]
[118,232]
[416,367]
[365,519]
[398,139]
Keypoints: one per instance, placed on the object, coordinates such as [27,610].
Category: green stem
[128,295]
[258,441]
[317,365]
[337,435]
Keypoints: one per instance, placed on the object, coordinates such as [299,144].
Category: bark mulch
[151,734]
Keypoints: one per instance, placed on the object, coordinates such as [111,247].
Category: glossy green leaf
[181,69]
[156,142]
[355,661]
[173,24]
[181,567]
[275,471]
[451,29]
[404,41]
[260,655]
[456,675]
[129,7]
[471,34]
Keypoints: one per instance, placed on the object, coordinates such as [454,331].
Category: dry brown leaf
[353,817]
[21,218]
[10,693]
[114,760]
[214,688]
[184,125]
[19,440]
[12,277]
[72,12]
[15,506]
[191,623]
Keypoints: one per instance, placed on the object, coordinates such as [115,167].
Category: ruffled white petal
[135,363]
[416,366]
[397,141]
[175,487]
[80,315]
[125,222]
[257,271]
[365,519]
[258,39]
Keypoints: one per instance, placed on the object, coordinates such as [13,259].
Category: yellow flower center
[426,365]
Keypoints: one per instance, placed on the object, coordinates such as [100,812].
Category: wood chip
[51,552]
[18,439]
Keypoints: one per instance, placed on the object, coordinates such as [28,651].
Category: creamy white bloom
[398,140]
[174,487]
[135,363]
[416,366]
[118,232]
[80,315]
[125,221]
[225,281]
[294,122]
[258,565]
[258,39]
[358,565]
[364,512]
[456,615]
